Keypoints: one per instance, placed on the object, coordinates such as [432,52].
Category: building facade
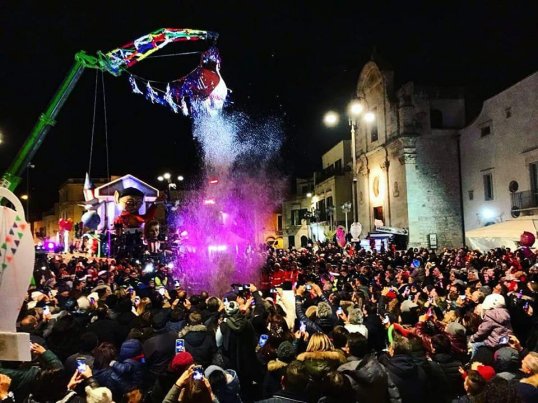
[294,208]
[407,160]
[499,157]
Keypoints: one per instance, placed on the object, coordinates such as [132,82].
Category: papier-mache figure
[130,200]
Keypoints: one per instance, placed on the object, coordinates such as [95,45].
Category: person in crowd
[191,387]
[88,342]
[130,365]
[320,358]
[199,341]
[368,378]
[276,368]
[294,384]
[33,379]
[410,378]
[527,388]
[105,355]
[179,364]
[495,328]
[160,348]
[237,340]
[224,383]
[474,385]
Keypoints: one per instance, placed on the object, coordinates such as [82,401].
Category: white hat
[98,395]
[493,301]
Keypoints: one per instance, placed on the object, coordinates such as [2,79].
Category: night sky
[292,60]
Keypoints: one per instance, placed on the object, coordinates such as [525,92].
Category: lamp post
[330,212]
[346,208]
[356,108]
[167,176]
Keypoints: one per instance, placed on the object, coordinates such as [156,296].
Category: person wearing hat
[236,339]
[224,383]
[496,326]
[276,368]
[130,200]
[179,364]
[199,341]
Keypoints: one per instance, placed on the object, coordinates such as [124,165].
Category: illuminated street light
[24,197]
[331,119]
[355,108]
[167,175]
[160,178]
[369,117]
[180,178]
[309,194]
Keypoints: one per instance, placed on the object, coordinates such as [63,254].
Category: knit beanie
[285,352]
[486,372]
[181,362]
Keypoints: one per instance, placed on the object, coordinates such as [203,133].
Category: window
[279,222]
[373,128]
[338,165]
[304,190]
[330,201]
[436,119]
[488,186]
[485,131]
[471,194]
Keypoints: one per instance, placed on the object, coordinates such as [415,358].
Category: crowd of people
[324,325]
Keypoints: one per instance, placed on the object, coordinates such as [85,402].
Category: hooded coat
[495,324]
[444,371]
[318,364]
[200,342]
[131,368]
[370,380]
[239,347]
[271,383]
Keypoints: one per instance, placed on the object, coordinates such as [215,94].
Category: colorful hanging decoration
[201,92]
[341,236]
[133,52]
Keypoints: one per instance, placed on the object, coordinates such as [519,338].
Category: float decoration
[17,256]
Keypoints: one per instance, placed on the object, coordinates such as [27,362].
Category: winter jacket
[271,383]
[409,378]
[159,351]
[22,379]
[376,333]
[230,392]
[131,368]
[174,395]
[495,324]
[445,376]
[370,380]
[238,346]
[110,379]
[107,330]
[318,364]
[200,342]
[71,362]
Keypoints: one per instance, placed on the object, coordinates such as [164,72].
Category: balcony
[329,173]
[524,201]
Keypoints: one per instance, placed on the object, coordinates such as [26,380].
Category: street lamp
[355,109]
[346,208]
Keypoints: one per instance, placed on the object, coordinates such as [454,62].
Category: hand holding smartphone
[81,364]
[198,373]
[180,345]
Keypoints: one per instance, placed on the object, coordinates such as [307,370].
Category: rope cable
[174,54]
[93,124]
[106,126]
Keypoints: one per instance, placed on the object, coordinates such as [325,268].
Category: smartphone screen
[339,311]
[46,310]
[180,345]
[198,373]
[81,364]
[263,340]
[302,328]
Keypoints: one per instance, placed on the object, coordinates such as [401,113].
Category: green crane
[113,62]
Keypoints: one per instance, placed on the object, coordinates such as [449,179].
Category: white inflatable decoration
[355,230]
[17,256]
